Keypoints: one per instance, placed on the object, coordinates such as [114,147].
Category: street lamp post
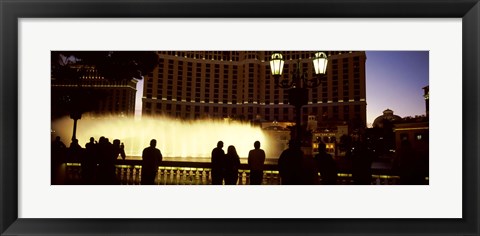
[76,115]
[298,84]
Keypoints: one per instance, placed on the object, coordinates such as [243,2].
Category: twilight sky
[394,80]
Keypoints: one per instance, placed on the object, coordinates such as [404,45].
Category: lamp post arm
[283,83]
[312,83]
[295,80]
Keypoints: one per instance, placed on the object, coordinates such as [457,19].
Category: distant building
[312,123]
[389,130]
[238,84]
[426,96]
[387,119]
[415,132]
[115,97]
[381,137]
[279,136]
[331,137]
[326,136]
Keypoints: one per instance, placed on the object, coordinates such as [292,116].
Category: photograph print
[239,117]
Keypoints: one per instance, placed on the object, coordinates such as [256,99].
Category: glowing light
[175,138]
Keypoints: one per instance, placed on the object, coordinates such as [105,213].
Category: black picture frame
[11,11]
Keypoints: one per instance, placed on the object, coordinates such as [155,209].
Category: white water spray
[175,138]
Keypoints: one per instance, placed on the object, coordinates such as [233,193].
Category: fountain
[179,139]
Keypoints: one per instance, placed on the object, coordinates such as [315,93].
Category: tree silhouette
[113,66]
[68,67]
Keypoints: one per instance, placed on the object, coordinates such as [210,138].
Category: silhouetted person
[58,150]
[423,163]
[151,159]
[118,150]
[411,165]
[106,162]
[75,151]
[256,161]
[57,143]
[58,157]
[290,164]
[232,163]
[218,164]
[361,162]
[89,164]
[309,171]
[326,165]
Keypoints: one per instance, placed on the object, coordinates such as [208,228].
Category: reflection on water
[175,138]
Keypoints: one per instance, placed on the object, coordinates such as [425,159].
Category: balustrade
[190,173]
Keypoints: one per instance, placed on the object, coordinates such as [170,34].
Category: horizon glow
[394,80]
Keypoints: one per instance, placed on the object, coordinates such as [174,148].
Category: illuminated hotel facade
[239,85]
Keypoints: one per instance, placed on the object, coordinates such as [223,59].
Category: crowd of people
[297,169]
[98,161]
[412,165]
[225,165]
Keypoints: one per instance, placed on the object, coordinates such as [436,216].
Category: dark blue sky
[394,80]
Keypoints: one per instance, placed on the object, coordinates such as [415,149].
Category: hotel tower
[239,85]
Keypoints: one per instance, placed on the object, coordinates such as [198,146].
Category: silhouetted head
[101,140]
[256,144]
[231,150]
[294,144]
[322,147]
[405,143]
[358,138]
[92,139]
[220,144]
[57,138]
[153,143]
[116,142]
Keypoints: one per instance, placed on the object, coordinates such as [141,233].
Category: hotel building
[115,97]
[239,85]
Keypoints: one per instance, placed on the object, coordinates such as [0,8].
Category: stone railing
[128,172]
